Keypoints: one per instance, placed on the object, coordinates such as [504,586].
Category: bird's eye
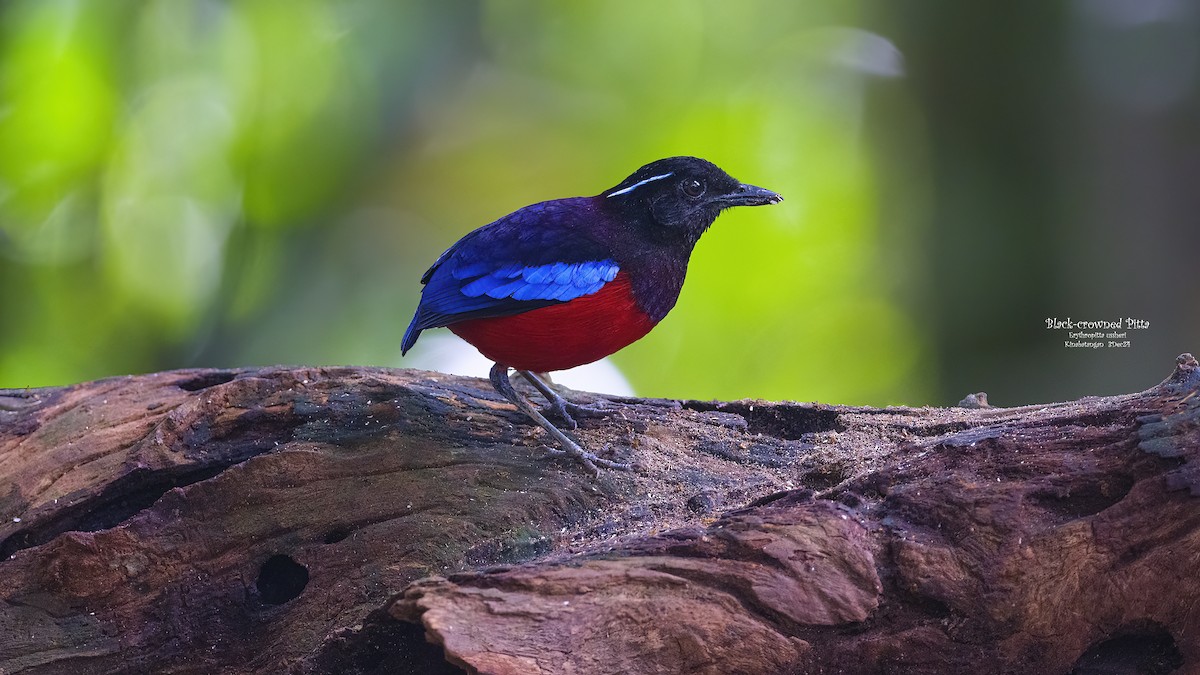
[692,188]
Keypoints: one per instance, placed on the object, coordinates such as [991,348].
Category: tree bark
[360,520]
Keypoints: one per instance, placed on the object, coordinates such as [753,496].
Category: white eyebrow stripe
[641,183]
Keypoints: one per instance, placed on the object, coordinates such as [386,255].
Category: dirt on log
[359,520]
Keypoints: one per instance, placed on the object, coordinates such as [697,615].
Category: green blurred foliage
[204,183]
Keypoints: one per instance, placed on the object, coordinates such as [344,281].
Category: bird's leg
[561,406]
[500,381]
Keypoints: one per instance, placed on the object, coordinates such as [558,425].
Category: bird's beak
[749,195]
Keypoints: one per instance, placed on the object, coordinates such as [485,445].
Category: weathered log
[335,519]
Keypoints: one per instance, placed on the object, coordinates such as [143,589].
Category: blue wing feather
[572,281]
[538,275]
[529,292]
[587,276]
[506,290]
[532,258]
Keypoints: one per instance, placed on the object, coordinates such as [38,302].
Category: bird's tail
[411,335]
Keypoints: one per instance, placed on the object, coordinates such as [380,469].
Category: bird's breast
[565,335]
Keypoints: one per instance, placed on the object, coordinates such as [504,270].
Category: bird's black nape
[683,195]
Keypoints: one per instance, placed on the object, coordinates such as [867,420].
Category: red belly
[561,336]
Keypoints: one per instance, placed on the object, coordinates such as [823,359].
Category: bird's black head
[683,195]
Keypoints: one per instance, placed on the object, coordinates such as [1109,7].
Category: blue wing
[535,257]
[553,281]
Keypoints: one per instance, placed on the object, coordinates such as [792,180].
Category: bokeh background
[202,183]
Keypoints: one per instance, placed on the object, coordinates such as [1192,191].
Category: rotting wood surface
[333,519]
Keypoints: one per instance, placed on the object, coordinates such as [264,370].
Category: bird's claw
[567,411]
[588,459]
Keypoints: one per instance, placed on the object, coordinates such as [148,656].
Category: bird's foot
[568,411]
[564,409]
[588,459]
[568,445]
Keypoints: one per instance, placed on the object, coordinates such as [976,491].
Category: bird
[566,282]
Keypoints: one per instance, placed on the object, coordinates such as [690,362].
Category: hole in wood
[1146,649]
[1086,497]
[206,380]
[121,500]
[787,423]
[336,534]
[385,646]
[281,579]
